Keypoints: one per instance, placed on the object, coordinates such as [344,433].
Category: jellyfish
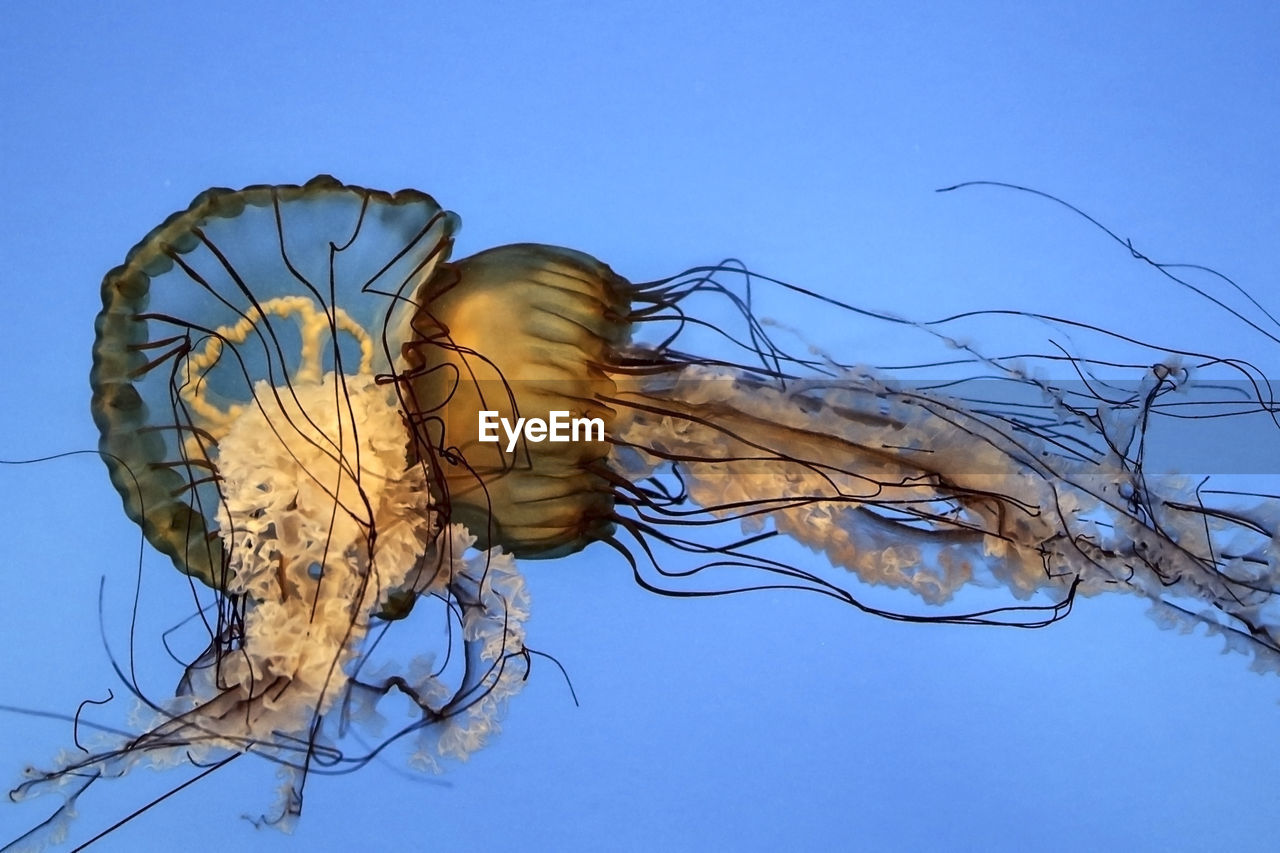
[328,425]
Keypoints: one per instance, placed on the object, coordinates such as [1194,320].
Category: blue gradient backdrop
[806,140]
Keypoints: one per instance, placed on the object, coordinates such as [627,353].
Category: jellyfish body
[295,387]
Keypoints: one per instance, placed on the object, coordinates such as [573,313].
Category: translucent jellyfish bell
[278,285]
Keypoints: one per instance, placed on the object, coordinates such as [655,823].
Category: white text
[558,427]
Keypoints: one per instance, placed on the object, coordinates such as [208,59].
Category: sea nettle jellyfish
[324,421]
